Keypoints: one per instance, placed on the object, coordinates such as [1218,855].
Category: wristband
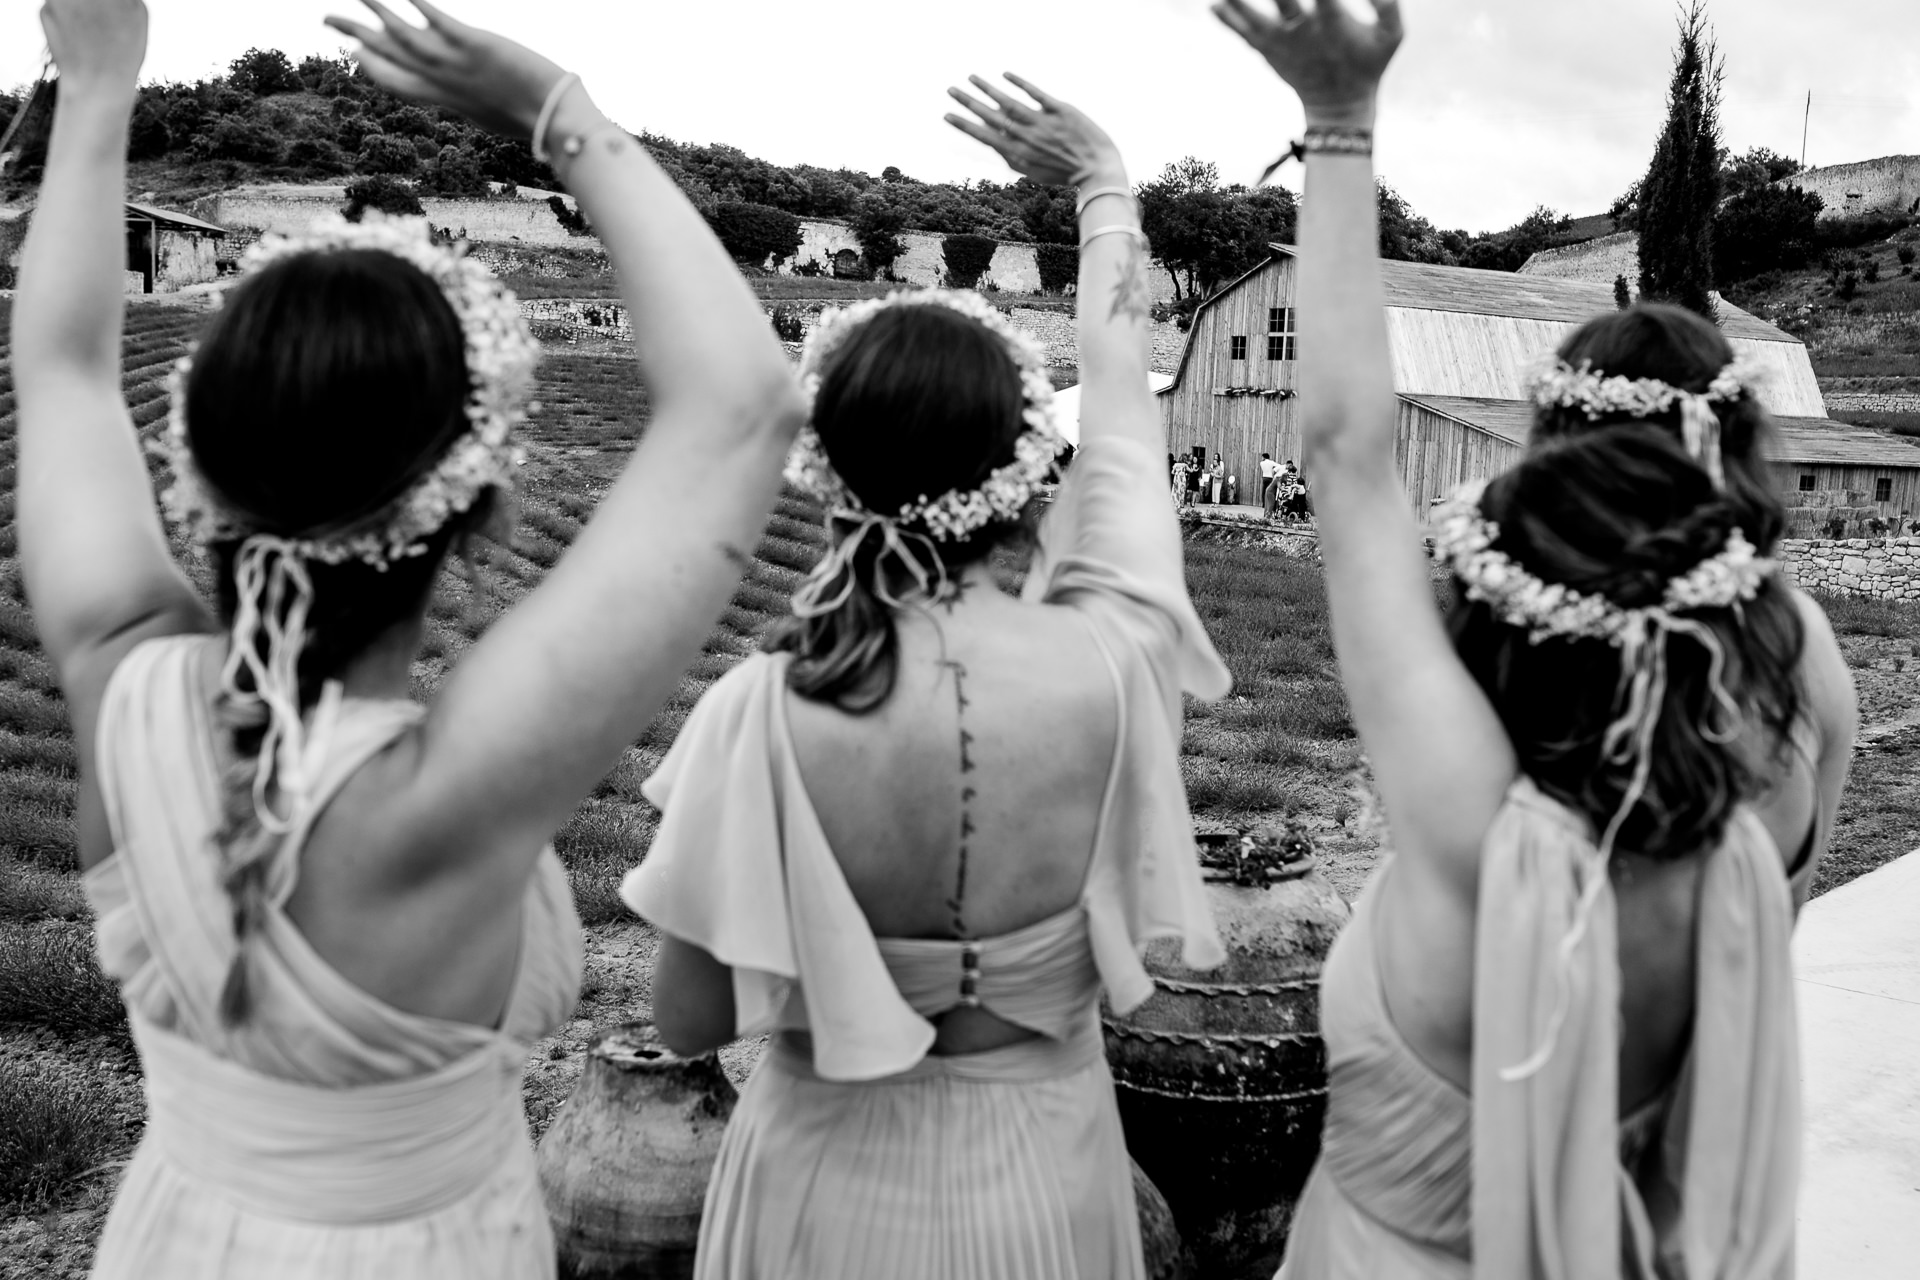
[547,111]
[1337,140]
[1116,229]
[1080,210]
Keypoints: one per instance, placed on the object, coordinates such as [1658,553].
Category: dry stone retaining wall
[1847,402]
[1887,185]
[1880,568]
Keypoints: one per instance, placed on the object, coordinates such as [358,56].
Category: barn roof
[1416,286]
[167,217]
[1812,440]
[1422,287]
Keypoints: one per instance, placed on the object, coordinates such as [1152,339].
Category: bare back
[900,796]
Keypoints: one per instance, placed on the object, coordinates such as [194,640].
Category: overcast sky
[1493,107]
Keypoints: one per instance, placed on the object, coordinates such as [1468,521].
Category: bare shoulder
[1832,704]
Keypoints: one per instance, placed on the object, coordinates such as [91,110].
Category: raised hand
[1333,60]
[494,82]
[96,41]
[1052,142]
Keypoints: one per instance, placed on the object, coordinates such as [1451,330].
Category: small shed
[169,250]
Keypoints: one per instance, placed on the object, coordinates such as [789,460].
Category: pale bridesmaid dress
[867,1158]
[328,1136]
[1541,1177]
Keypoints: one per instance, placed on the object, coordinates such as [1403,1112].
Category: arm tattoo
[735,556]
[1134,297]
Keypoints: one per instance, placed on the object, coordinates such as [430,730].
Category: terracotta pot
[1159,1236]
[625,1167]
[1222,1076]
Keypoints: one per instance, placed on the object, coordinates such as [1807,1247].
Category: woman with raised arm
[919,836]
[332,912]
[1560,1029]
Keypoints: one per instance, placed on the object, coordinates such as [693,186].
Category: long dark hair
[323,390]
[918,401]
[1617,507]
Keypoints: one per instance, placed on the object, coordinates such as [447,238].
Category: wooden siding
[1450,354]
[1436,454]
[1835,479]
[1241,427]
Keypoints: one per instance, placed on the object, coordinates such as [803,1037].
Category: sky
[1492,108]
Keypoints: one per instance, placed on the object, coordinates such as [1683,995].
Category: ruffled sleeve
[741,869]
[1111,551]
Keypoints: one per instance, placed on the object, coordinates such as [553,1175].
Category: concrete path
[1857,956]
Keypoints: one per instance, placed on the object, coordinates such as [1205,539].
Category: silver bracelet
[547,111]
[1080,210]
[1116,229]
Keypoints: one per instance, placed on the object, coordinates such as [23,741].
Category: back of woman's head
[323,390]
[917,402]
[1617,507]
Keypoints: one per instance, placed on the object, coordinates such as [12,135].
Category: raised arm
[540,709]
[1055,144]
[92,552]
[1441,759]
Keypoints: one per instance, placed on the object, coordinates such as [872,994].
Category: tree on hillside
[1205,234]
[756,234]
[1681,192]
[1405,236]
[388,195]
[263,73]
[1509,250]
[1765,228]
[1758,168]
[877,224]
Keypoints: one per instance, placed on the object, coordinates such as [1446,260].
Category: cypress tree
[1681,191]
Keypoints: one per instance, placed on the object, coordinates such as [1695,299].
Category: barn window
[1883,489]
[1806,484]
[1280,336]
[1237,347]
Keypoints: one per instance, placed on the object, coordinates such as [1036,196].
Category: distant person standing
[1219,481]
[1194,467]
[1269,474]
[1178,472]
[1233,491]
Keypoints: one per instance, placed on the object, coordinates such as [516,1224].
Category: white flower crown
[501,354]
[1005,493]
[1463,541]
[1559,385]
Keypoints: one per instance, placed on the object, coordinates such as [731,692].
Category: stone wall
[1850,402]
[1599,261]
[186,258]
[572,319]
[1883,568]
[1887,185]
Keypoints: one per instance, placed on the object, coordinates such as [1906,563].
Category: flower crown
[1559,385]
[1463,541]
[1005,493]
[500,352]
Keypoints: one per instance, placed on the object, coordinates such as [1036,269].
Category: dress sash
[346,1157]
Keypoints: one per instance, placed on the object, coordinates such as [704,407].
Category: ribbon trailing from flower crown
[275,594]
[1700,434]
[1643,684]
[813,600]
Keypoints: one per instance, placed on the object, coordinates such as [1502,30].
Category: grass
[54,1131]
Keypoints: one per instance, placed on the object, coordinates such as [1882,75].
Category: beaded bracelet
[1339,140]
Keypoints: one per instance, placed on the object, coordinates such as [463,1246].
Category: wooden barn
[1463,343]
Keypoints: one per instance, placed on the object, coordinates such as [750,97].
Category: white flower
[501,354]
[956,514]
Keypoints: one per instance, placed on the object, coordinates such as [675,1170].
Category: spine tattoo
[957,903]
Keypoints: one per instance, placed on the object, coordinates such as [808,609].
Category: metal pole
[1805,126]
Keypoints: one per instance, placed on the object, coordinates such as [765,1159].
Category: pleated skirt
[1007,1165]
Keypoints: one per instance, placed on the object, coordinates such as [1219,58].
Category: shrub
[49,978]
[236,138]
[1622,293]
[1059,266]
[967,258]
[149,138]
[1764,229]
[52,1131]
[574,221]
[756,234]
[788,324]
[318,156]
[454,172]
[1906,255]
[1871,271]
[263,72]
[382,192]
[1851,233]
[384,153]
